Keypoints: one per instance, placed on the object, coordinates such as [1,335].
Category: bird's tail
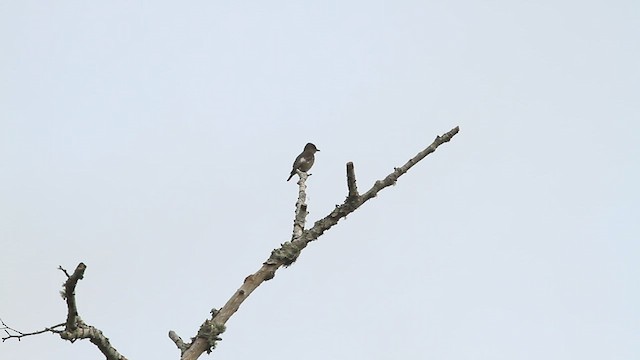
[291,175]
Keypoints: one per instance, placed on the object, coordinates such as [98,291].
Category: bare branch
[96,337]
[393,177]
[70,296]
[64,271]
[351,182]
[75,328]
[289,251]
[301,207]
[178,341]
[12,333]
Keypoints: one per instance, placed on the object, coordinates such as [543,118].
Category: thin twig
[64,271]
[19,334]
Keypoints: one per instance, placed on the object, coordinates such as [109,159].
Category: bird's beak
[317,149]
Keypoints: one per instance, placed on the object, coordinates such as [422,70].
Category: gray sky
[152,140]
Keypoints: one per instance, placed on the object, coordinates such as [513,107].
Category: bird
[305,160]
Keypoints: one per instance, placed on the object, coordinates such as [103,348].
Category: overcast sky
[151,140]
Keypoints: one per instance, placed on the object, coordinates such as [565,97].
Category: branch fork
[208,335]
[300,238]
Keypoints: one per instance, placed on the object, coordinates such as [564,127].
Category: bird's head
[310,147]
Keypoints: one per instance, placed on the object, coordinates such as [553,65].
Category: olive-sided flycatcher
[305,160]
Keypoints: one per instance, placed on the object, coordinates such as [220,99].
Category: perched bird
[305,160]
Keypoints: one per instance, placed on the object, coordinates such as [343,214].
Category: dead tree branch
[12,333]
[208,334]
[75,328]
[351,182]
[210,330]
